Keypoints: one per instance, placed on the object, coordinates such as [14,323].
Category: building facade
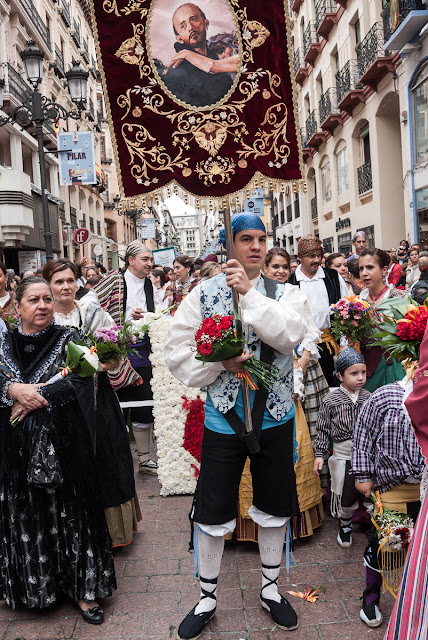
[352,91]
[62,31]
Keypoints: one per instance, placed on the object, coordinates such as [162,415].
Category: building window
[328,244]
[326,182]
[345,243]
[420,106]
[342,171]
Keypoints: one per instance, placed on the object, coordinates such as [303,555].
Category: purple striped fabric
[409,619]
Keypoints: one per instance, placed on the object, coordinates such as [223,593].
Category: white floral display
[176,466]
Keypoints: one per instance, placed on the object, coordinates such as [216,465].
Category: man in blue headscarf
[275,321]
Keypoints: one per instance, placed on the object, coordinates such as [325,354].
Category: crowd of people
[330,431]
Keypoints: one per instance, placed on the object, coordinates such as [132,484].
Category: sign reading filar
[76,157]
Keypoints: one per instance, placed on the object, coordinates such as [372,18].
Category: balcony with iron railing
[84,51]
[16,89]
[75,34]
[93,68]
[73,217]
[314,209]
[301,68]
[64,11]
[349,90]
[373,62]
[59,62]
[306,151]
[365,182]
[401,20]
[330,114]
[311,43]
[314,133]
[326,16]
[91,109]
[36,22]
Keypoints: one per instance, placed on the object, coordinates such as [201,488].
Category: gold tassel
[392,563]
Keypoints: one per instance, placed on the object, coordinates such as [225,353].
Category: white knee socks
[271,544]
[142,433]
[210,551]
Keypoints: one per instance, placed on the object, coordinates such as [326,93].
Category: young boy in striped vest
[337,419]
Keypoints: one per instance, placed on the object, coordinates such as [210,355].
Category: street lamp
[39,109]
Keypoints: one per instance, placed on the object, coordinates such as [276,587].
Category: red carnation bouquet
[402,329]
[220,338]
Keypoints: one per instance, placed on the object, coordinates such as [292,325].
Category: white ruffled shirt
[281,324]
[316,292]
[136,295]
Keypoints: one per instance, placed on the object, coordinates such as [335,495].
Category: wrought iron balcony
[404,7]
[349,90]
[91,109]
[311,43]
[372,61]
[64,11]
[314,209]
[76,35]
[330,114]
[301,69]
[84,51]
[326,17]
[365,182]
[15,85]
[306,151]
[73,217]
[59,62]
[36,22]
[93,69]
[314,133]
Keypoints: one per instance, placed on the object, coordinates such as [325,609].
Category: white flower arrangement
[176,466]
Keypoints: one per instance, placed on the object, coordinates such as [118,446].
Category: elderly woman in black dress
[53,534]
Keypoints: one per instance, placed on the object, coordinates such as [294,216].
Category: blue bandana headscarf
[347,358]
[242,222]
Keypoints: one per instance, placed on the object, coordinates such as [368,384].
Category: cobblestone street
[155,587]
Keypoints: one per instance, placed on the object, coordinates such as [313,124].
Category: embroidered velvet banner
[198,93]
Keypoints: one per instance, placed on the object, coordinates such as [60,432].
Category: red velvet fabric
[417,402]
[146,120]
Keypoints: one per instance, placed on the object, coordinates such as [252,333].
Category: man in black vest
[130,294]
[322,287]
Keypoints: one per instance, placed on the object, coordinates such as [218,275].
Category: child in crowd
[336,421]
[385,458]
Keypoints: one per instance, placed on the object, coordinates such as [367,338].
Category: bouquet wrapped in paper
[220,338]
[402,328]
[113,343]
[351,317]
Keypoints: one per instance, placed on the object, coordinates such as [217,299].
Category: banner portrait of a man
[194,50]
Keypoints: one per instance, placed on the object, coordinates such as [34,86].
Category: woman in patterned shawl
[54,537]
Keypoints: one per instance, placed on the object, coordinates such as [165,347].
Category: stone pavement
[155,587]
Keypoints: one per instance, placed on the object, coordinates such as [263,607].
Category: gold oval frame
[162,84]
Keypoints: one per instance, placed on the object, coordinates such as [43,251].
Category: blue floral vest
[216,297]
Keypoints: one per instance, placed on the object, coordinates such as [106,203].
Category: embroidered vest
[216,297]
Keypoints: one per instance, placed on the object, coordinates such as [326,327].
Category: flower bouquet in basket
[220,338]
[351,317]
[395,532]
[112,343]
[402,328]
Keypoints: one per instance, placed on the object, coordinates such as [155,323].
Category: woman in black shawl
[53,535]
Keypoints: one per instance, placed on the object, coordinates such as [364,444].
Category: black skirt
[113,459]
[53,542]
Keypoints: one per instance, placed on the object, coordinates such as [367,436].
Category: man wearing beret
[322,287]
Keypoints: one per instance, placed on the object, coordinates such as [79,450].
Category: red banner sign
[199,94]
